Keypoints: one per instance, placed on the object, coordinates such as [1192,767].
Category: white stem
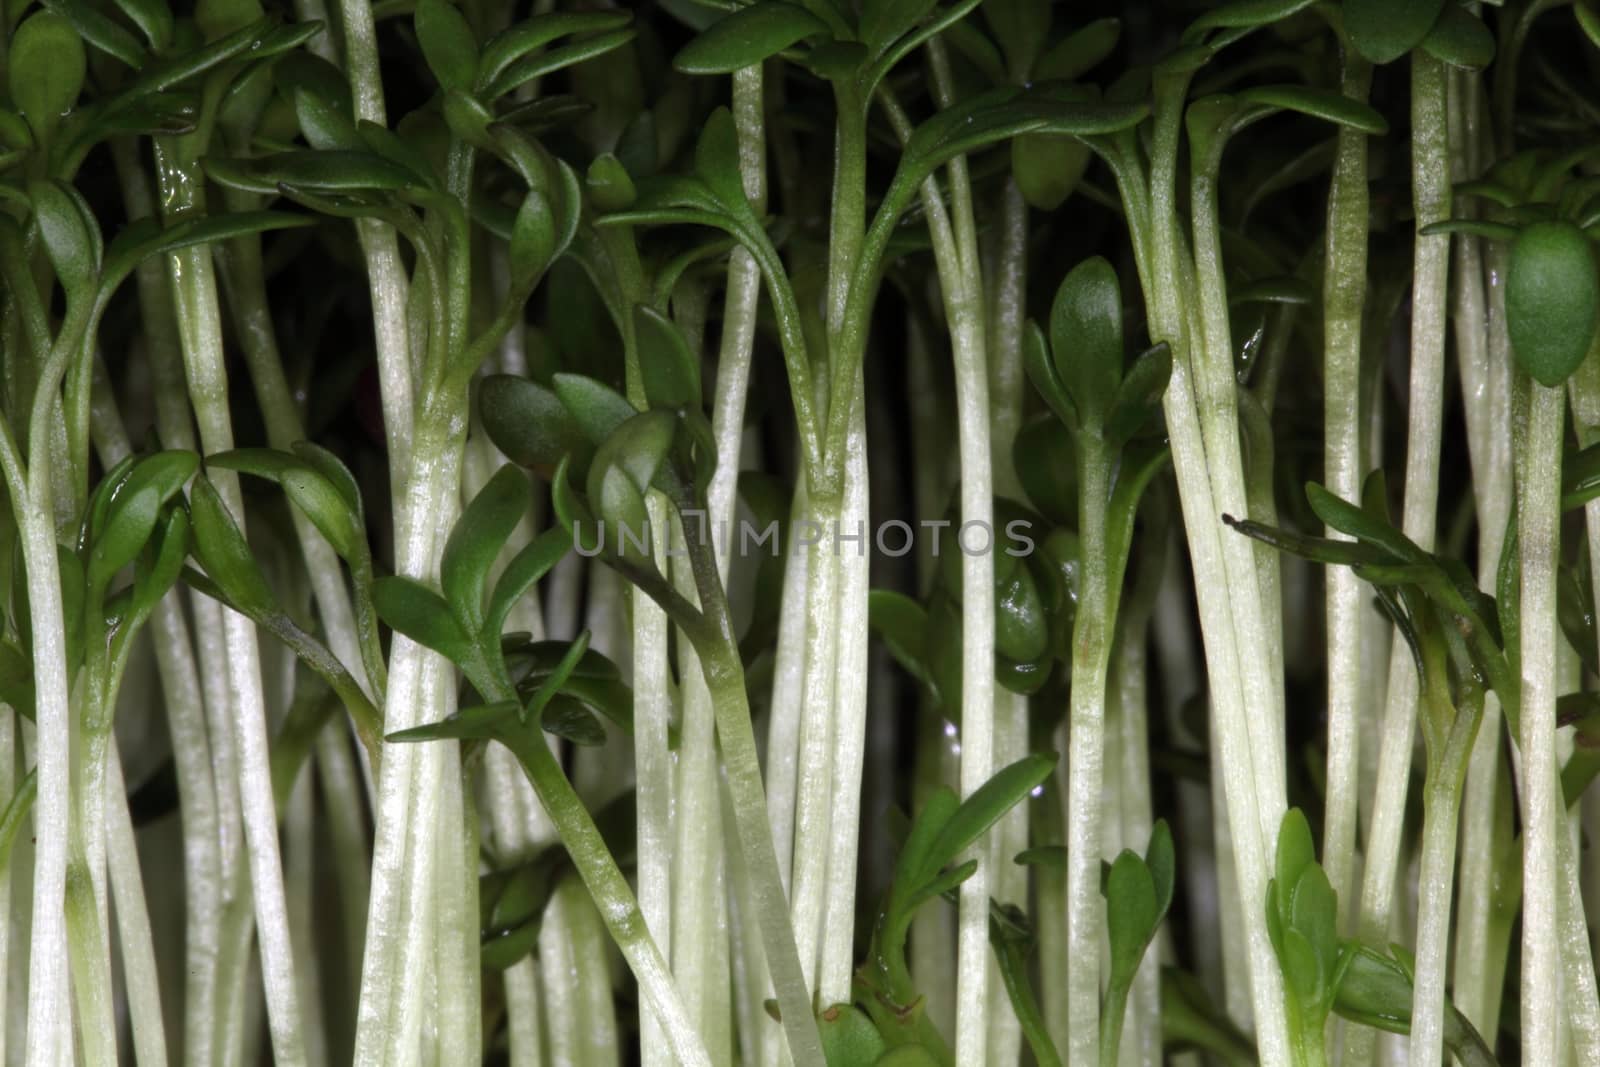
[850,723]
[459,1005]
[1542,810]
[386,276]
[140,979]
[200,329]
[49,1018]
[1430,179]
[1344,296]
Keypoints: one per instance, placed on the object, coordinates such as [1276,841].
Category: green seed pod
[47,69]
[1552,297]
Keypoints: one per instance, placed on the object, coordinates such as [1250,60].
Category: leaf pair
[1302,916]
[1383,32]
[464,624]
[1138,891]
[1080,371]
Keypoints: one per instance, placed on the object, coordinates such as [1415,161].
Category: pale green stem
[458,1019]
[93,998]
[579,950]
[1430,176]
[413,698]
[1343,298]
[1483,356]
[1141,1040]
[410,1007]
[788,679]
[1007,307]
[699,915]
[140,980]
[1091,658]
[244,280]
[386,277]
[342,790]
[960,278]
[12,799]
[850,722]
[1254,799]
[1538,517]
[32,501]
[1581,992]
[200,333]
[191,754]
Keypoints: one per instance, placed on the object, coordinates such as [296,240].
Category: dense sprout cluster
[818,532]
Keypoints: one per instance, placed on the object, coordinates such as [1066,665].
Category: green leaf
[1044,376]
[1313,910]
[1361,524]
[220,547]
[485,722]
[329,466]
[669,370]
[321,99]
[1243,14]
[609,184]
[16,680]
[747,36]
[154,19]
[533,241]
[1139,396]
[531,563]
[570,720]
[325,502]
[508,46]
[1383,31]
[597,409]
[447,43]
[1080,52]
[1552,300]
[1324,104]
[70,234]
[476,540]
[135,244]
[1009,787]
[1160,857]
[322,502]
[1295,853]
[902,624]
[331,171]
[557,678]
[1021,27]
[539,64]
[1045,461]
[1284,290]
[1302,969]
[133,512]
[716,161]
[917,856]
[624,468]
[412,609]
[100,499]
[1047,167]
[530,424]
[159,572]
[1086,339]
[100,30]
[1460,40]
[885,21]
[1132,914]
[47,66]
[1588,21]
